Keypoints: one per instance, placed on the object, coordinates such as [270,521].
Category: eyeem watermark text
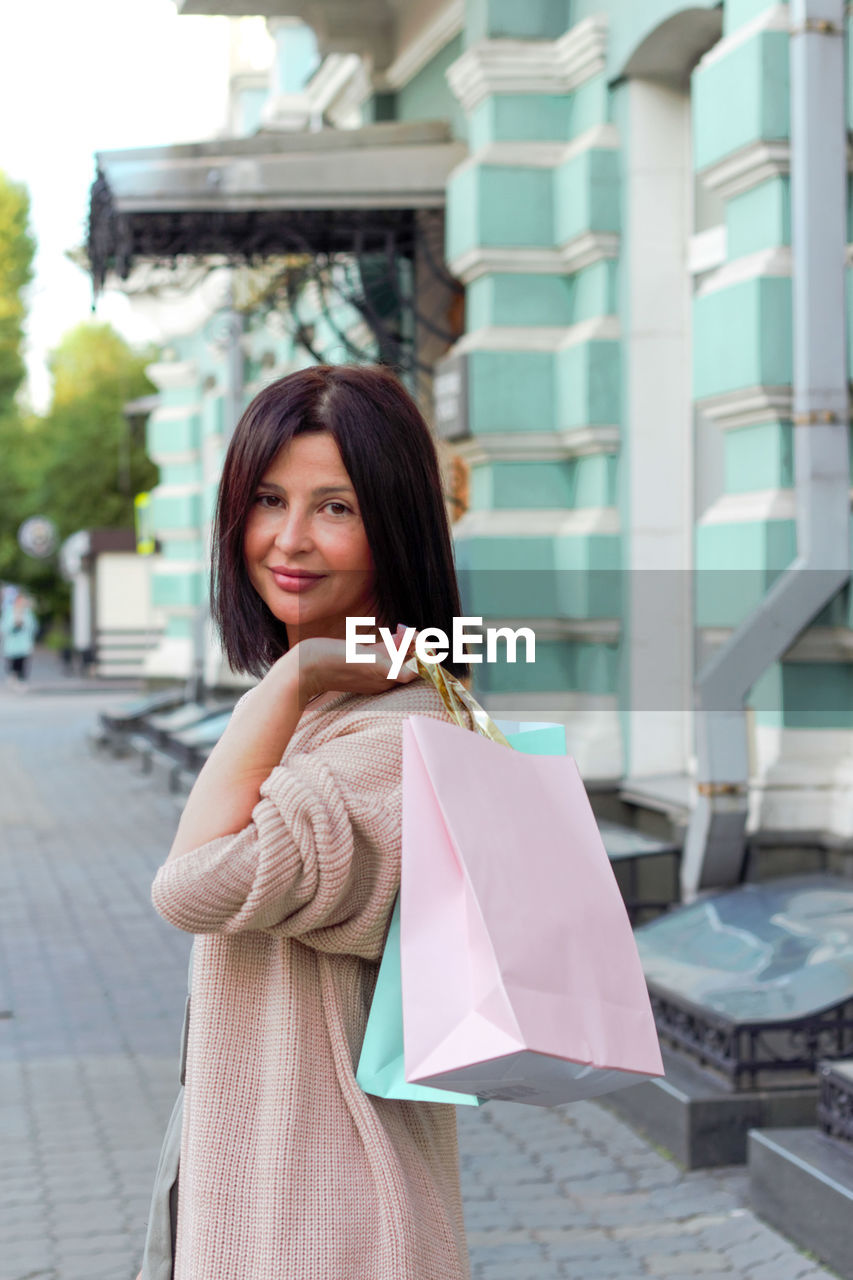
[432,645]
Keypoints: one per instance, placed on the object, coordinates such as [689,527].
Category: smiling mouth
[295,579]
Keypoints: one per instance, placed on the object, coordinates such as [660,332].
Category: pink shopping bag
[521,978]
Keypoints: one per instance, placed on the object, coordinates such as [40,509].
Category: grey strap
[158,1256]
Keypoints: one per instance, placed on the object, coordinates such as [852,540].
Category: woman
[18,627]
[286,862]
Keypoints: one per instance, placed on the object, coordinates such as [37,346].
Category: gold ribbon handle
[457,699]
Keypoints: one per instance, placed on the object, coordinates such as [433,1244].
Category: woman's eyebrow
[330,488]
[322,492]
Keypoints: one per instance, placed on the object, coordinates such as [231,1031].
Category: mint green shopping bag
[381,1068]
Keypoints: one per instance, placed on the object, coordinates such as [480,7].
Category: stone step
[801,1182]
[701,1121]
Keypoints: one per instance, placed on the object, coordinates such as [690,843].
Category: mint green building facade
[620,219]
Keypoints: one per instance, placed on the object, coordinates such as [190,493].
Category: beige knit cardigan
[288,1170]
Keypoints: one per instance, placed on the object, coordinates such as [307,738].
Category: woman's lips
[295,582]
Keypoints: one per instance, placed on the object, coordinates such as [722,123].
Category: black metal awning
[341,207]
[323,193]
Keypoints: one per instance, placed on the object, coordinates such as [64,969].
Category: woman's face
[305,546]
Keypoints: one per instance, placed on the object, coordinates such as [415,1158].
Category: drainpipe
[713,854]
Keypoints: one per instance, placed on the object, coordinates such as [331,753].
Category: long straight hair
[390,457]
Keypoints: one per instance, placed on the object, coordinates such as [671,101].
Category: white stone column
[658,428]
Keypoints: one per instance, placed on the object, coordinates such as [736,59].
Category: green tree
[82,462]
[93,459]
[17,250]
[17,437]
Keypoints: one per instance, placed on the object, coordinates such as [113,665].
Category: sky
[76,77]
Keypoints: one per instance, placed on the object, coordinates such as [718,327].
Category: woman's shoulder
[383,712]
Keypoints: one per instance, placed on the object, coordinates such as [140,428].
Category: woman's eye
[267,500]
[338,508]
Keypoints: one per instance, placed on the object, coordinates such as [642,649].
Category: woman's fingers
[324,666]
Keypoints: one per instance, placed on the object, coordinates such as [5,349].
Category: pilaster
[742,314]
[179,573]
[534,233]
[743,317]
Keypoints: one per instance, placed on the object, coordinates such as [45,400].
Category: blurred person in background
[18,628]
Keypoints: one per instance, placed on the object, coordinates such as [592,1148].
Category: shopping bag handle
[458,700]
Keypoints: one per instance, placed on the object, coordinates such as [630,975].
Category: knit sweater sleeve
[320,859]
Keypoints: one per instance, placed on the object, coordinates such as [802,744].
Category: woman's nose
[293,532]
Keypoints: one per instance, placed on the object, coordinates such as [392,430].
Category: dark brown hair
[390,457]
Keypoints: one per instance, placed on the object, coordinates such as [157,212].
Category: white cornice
[541,155]
[586,249]
[485,261]
[537,446]
[538,337]
[775,18]
[753,164]
[530,66]
[581,251]
[748,406]
[741,171]
[515,155]
[175,568]
[180,457]
[597,329]
[599,137]
[584,630]
[174,412]
[178,490]
[777,261]
[817,644]
[822,644]
[166,374]
[541,523]
[752,508]
[583,442]
[444,27]
[510,338]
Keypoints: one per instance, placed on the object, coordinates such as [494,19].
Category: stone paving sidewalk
[91,999]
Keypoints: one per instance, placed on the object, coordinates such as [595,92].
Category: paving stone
[739,1228]
[761,1248]
[518,1271]
[88,1067]
[706,1275]
[695,1264]
[596,1269]
[649,1246]
[584,1251]
[528,1192]
[502,1251]
[789,1266]
[27,1256]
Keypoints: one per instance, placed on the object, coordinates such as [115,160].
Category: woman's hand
[323,667]
[228,787]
